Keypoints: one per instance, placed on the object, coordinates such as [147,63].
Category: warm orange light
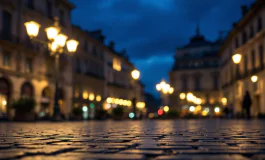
[254,78]
[166,109]
[224,101]
[158,87]
[72,45]
[98,98]
[171,90]
[85,95]
[237,58]
[182,96]
[32,28]
[135,74]
[91,97]
[52,32]
[60,40]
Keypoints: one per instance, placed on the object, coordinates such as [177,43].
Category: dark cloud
[154,28]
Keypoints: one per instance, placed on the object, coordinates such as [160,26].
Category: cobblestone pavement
[159,140]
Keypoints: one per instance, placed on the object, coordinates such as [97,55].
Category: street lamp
[135,75]
[56,44]
[190,96]
[164,87]
[236,58]
[166,109]
[254,79]
[182,96]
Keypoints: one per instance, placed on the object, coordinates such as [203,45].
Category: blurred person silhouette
[247,102]
[226,111]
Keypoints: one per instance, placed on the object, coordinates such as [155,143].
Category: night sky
[151,30]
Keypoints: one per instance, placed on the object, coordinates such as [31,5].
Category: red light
[160,112]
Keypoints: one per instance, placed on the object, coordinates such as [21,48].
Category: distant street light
[236,58]
[164,88]
[224,101]
[166,109]
[182,96]
[254,79]
[135,75]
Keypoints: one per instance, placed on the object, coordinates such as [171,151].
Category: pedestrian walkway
[159,140]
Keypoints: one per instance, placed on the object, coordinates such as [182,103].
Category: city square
[157,140]
[132,79]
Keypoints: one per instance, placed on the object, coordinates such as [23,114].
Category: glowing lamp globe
[32,28]
[52,32]
[53,46]
[109,100]
[60,40]
[192,108]
[135,74]
[216,109]
[98,98]
[182,96]
[72,45]
[224,101]
[190,96]
[85,95]
[236,58]
[254,79]
[91,97]
[171,90]
[158,87]
[166,109]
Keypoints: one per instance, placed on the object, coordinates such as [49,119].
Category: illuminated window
[116,64]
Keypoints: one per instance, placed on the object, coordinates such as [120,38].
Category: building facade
[196,71]
[28,69]
[246,41]
[120,84]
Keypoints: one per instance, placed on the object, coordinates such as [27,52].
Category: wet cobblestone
[158,140]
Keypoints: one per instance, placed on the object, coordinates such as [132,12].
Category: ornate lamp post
[57,44]
[135,75]
[164,88]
